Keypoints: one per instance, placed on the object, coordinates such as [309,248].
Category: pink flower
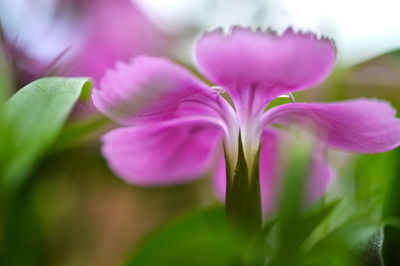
[175,123]
[113,31]
[76,38]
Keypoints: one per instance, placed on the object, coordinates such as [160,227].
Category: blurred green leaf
[6,69]
[343,243]
[314,217]
[278,101]
[291,206]
[370,254]
[22,240]
[287,240]
[292,240]
[75,132]
[259,250]
[391,207]
[200,239]
[6,80]
[351,232]
[391,215]
[391,245]
[34,117]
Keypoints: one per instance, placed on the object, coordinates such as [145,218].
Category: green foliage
[391,215]
[375,197]
[278,101]
[200,239]
[290,231]
[76,132]
[391,245]
[22,241]
[391,207]
[6,69]
[296,236]
[358,226]
[33,117]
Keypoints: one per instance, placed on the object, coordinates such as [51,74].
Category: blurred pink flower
[25,69]
[175,123]
[80,38]
[111,31]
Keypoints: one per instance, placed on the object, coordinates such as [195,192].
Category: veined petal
[171,152]
[320,176]
[107,40]
[219,177]
[361,125]
[269,172]
[264,63]
[154,89]
[270,169]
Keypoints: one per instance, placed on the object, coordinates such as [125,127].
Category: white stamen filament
[218,89]
[289,95]
[291,98]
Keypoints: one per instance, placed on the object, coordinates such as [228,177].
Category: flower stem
[243,196]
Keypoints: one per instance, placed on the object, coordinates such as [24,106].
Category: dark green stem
[243,196]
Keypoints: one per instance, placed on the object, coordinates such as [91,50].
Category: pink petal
[362,125]
[269,172]
[219,177]
[270,169]
[320,176]
[112,31]
[162,154]
[154,89]
[263,62]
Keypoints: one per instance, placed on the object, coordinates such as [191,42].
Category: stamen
[218,89]
[289,95]
[291,98]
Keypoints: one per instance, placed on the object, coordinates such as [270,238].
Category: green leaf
[259,249]
[7,75]
[345,240]
[391,215]
[293,198]
[22,241]
[370,252]
[199,239]
[278,101]
[76,132]
[391,245]
[314,217]
[34,117]
[391,207]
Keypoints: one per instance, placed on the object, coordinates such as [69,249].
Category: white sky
[31,24]
[361,28]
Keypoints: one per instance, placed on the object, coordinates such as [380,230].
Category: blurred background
[72,210]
